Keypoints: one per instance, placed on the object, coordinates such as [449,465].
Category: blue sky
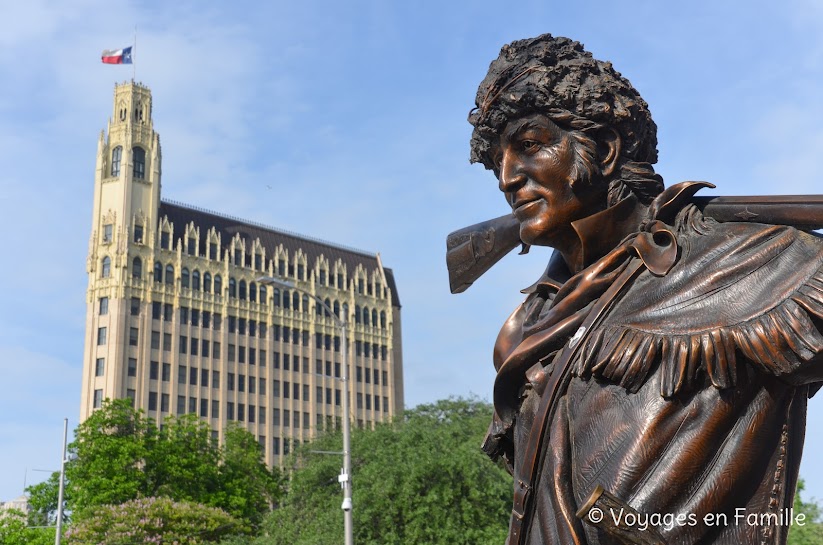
[355,114]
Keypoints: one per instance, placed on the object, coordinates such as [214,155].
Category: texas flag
[119,56]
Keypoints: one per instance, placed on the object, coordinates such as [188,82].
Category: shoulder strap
[558,381]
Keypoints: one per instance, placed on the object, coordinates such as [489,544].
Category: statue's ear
[609,146]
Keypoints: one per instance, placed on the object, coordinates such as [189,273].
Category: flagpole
[133,55]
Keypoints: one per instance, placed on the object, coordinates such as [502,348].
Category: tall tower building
[177,322]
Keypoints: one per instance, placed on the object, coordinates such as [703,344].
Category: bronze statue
[652,387]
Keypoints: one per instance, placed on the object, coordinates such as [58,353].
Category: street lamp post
[345,474]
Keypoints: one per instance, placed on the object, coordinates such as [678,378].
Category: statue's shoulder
[736,287]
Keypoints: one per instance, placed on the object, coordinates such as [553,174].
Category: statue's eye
[529,145]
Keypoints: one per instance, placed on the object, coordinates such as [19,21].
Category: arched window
[346,312]
[218,285]
[328,305]
[286,300]
[137,268]
[357,314]
[374,317]
[232,287]
[252,292]
[105,267]
[263,294]
[207,282]
[336,309]
[195,280]
[242,290]
[305,306]
[158,272]
[382,319]
[139,156]
[238,257]
[365,315]
[184,277]
[276,296]
[116,156]
[169,275]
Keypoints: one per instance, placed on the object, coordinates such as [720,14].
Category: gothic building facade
[178,322]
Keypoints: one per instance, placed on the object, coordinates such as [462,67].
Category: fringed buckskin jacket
[689,396]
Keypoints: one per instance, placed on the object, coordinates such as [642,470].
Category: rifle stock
[473,250]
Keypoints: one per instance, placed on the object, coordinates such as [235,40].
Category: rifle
[473,250]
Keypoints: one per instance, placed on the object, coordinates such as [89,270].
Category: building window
[152,401]
[258,262]
[116,156]
[207,282]
[131,394]
[104,306]
[100,367]
[135,306]
[137,268]
[181,374]
[263,294]
[218,285]
[164,240]
[212,250]
[242,290]
[164,403]
[169,274]
[132,368]
[98,399]
[107,233]
[238,256]
[166,342]
[158,272]
[166,372]
[138,234]
[139,156]
[154,370]
[232,287]
[253,292]
[155,340]
[181,404]
[195,280]
[133,334]
[191,246]
[105,267]
[184,277]
[101,336]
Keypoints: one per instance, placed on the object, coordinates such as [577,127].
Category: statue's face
[535,165]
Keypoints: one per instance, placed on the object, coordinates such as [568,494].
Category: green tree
[15,531]
[43,501]
[422,479]
[247,486]
[111,447]
[153,520]
[123,456]
[811,533]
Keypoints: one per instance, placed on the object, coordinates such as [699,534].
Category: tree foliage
[43,499]
[15,531]
[123,456]
[422,479]
[153,520]
[811,533]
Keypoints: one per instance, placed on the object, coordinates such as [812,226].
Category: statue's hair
[556,77]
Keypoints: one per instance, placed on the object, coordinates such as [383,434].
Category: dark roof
[181,215]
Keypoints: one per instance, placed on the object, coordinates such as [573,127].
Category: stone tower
[126,202]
